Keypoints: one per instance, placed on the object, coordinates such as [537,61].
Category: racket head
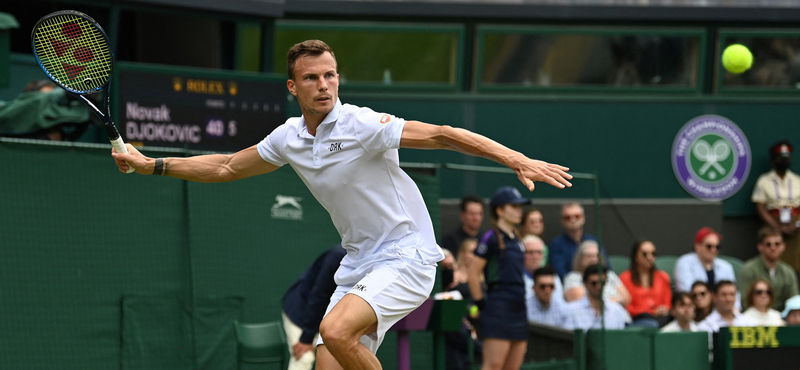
[73,51]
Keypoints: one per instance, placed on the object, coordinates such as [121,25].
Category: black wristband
[481,303]
[159,167]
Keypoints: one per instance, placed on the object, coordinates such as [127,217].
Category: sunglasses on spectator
[715,246]
[546,286]
[699,294]
[572,217]
[770,245]
[761,291]
[648,254]
[593,283]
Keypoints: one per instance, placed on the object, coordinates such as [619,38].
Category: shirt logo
[711,157]
[335,147]
[287,208]
[386,118]
[360,287]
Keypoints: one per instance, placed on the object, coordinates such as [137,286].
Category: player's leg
[495,352]
[325,360]
[341,332]
[516,355]
[293,333]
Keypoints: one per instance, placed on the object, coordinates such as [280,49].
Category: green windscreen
[73,51]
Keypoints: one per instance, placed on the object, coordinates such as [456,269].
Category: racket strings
[74,52]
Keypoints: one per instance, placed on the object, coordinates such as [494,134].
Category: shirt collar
[333,116]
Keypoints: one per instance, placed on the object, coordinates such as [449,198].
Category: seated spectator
[683,312]
[544,306]
[588,255]
[791,312]
[725,313]
[44,112]
[703,264]
[585,312]
[471,215]
[701,296]
[562,249]
[533,224]
[534,257]
[767,266]
[759,299]
[650,289]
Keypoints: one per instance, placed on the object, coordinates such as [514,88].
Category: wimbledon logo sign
[711,157]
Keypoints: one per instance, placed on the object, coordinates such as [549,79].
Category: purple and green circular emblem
[711,157]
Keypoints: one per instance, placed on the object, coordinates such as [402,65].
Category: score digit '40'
[216,128]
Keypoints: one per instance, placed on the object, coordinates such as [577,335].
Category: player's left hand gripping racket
[74,52]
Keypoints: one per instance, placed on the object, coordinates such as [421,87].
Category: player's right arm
[203,168]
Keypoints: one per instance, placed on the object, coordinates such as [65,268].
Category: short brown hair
[766,232]
[308,47]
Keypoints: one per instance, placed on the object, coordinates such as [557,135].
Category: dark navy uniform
[504,316]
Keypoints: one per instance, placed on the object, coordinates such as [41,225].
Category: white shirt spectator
[610,291]
[673,327]
[558,291]
[556,314]
[584,317]
[689,269]
[771,318]
[714,321]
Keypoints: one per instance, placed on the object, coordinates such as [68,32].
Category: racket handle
[119,147]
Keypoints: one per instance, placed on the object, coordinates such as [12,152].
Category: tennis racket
[74,52]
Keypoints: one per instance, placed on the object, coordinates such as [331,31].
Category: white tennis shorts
[394,284]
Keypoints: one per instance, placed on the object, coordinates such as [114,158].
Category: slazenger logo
[711,157]
[287,208]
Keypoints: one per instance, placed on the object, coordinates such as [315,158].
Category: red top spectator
[650,289]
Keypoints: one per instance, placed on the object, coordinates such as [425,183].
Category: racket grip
[119,147]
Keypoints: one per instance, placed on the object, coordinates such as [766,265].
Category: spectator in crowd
[457,342]
[725,312]
[777,198]
[703,300]
[759,298]
[304,306]
[533,224]
[462,264]
[585,312]
[534,257]
[471,216]
[703,264]
[792,311]
[683,311]
[500,255]
[544,306]
[563,247]
[44,112]
[650,289]
[574,288]
[768,266]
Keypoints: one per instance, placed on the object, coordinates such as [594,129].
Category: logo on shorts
[287,208]
[360,287]
[386,118]
[711,157]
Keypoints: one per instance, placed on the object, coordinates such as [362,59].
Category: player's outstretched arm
[202,168]
[421,135]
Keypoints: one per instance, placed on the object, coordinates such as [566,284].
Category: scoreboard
[196,109]
[745,348]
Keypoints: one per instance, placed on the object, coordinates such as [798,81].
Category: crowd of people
[569,283]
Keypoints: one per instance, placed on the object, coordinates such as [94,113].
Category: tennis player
[348,158]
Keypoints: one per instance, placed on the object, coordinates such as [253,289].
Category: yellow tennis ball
[737,58]
[473,311]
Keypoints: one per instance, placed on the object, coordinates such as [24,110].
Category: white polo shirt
[352,167]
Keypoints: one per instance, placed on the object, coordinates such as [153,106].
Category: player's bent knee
[336,335]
